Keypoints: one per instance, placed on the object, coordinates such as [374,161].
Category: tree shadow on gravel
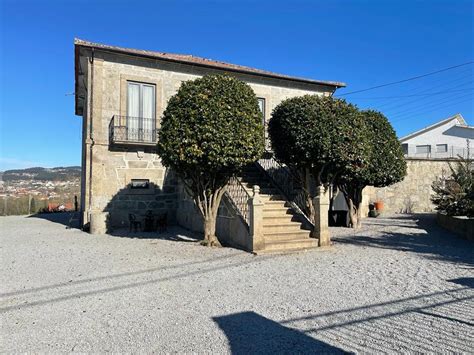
[251,333]
[423,236]
[173,233]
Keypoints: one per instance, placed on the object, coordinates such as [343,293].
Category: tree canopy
[385,164]
[319,137]
[210,129]
[318,133]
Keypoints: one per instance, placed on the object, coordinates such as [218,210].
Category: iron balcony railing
[133,130]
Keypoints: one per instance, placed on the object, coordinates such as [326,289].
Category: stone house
[121,94]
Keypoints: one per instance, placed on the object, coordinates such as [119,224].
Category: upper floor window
[261,106]
[140,111]
[405,148]
[423,149]
[441,148]
[140,100]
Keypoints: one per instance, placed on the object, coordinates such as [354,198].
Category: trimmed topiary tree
[318,137]
[385,164]
[210,129]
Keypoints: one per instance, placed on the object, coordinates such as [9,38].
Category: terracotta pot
[378,205]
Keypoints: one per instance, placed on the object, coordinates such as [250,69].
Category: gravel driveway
[400,284]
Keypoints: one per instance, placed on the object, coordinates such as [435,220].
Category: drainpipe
[91,129]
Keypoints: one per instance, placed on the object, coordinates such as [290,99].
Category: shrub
[210,129]
[454,194]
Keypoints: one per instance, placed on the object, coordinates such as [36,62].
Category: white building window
[441,148]
[423,149]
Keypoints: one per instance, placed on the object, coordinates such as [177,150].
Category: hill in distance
[42,174]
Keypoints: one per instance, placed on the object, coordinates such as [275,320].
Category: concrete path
[399,285]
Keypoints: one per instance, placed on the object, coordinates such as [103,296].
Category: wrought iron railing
[238,196]
[127,129]
[287,182]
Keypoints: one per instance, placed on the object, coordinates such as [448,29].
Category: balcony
[126,130]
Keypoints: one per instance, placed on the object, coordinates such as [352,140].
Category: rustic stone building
[121,94]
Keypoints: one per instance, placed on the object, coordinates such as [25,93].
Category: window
[441,148]
[423,149]
[405,148]
[261,106]
[140,111]
[140,184]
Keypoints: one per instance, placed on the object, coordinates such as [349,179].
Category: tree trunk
[209,206]
[359,214]
[210,238]
[306,177]
[354,202]
[352,213]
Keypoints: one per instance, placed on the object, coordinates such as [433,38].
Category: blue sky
[362,43]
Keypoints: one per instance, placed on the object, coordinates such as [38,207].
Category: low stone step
[301,233]
[290,245]
[282,219]
[271,198]
[277,211]
[273,203]
[288,227]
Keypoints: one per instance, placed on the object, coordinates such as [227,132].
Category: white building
[445,139]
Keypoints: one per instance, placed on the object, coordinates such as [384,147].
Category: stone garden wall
[413,193]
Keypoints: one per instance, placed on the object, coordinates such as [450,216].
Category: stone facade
[414,192]
[108,169]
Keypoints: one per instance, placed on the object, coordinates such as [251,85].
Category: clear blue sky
[362,43]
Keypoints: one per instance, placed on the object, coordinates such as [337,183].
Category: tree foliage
[384,164]
[210,129]
[454,194]
[319,137]
[317,133]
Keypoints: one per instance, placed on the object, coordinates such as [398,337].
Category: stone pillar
[99,222]
[255,205]
[321,209]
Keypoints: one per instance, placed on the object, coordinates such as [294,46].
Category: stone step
[301,233]
[290,245]
[271,198]
[285,227]
[270,204]
[275,218]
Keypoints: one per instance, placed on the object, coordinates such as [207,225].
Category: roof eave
[82,43]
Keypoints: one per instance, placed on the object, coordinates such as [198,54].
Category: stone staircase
[283,229]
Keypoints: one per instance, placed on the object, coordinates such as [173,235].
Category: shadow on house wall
[138,199]
[251,333]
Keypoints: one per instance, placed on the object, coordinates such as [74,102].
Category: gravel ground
[400,284]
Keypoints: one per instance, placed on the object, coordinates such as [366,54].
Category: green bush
[210,129]
[454,194]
